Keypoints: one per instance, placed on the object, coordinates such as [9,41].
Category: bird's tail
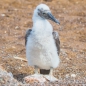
[43,71]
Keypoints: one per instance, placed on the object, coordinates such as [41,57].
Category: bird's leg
[50,77]
[35,77]
[51,72]
[36,71]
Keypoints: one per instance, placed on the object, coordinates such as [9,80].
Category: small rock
[17,27]
[15,9]
[67,75]
[5,31]
[3,15]
[13,47]
[73,75]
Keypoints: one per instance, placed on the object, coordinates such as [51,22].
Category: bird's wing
[27,34]
[57,41]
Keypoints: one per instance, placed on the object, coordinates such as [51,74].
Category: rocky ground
[16,18]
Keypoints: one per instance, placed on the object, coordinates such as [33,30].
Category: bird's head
[42,11]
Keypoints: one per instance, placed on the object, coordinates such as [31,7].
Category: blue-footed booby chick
[42,43]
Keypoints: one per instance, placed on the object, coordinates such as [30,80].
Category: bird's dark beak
[51,17]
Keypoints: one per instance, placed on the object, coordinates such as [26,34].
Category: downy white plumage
[41,49]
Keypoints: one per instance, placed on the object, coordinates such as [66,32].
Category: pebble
[5,31]
[3,15]
[17,27]
[73,75]
[67,76]
[13,47]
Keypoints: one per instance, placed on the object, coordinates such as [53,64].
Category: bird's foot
[51,78]
[34,78]
[36,75]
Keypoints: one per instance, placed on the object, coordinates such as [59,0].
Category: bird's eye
[44,13]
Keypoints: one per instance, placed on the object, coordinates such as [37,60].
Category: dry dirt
[16,18]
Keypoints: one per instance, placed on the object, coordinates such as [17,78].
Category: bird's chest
[42,41]
[40,50]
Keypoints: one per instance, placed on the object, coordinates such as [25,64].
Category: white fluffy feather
[41,49]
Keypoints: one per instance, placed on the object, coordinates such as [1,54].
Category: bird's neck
[42,26]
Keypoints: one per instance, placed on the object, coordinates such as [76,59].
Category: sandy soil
[16,18]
